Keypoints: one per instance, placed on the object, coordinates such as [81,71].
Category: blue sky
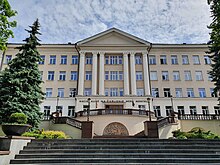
[157,21]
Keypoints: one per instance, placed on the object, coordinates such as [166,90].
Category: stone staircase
[119,151]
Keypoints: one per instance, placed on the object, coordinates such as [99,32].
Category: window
[205,110]
[141,107]
[207,60]
[120,59]
[165,75]
[8,58]
[113,91]
[73,75]
[63,60]
[152,60]
[42,60]
[187,75]
[138,59]
[155,92]
[163,59]
[202,92]
[174,59]
[88,59]
[87,92]
[49,92]
[59,109]
[121,92]
[120,75]
[193,110]
[157,111]
[185,59]
[106,91]
[113,75]
[140,92]
[166,92]
[190,92]
[199,76]
[60,92]
[74,60]
[52,59]
[50,75]
[179,92]
[106,75]
[46,112]
[88,75]
[196,59]
[168,110]
[41,75]
[62,75]
[153,75]
[209,77]
[106,59]
[176,75]
[139,75]
[217,110]
[212,93]
[71,111]
[113,60]
[181,110]
[72,92]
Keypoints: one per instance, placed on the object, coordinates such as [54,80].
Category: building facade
[118,76]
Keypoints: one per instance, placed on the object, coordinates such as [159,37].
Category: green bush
[46,134]
[19,118]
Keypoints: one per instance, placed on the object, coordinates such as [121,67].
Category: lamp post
[148,102]
[88,109]
[57,103]
[172,109]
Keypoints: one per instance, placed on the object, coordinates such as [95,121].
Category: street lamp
[88,109]
[148,102]
[57,103]
[172,109]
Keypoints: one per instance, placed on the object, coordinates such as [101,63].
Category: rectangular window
[217,110]
[88,59]
[179,92]
[87,92]
[152,60]
[140,92]
[120,60]
[52,59]
[73,75]
[63,59]
[185,59]
[46,112]
[212,93]
[193,110]
[62,75]
[181,110]
[116,60]
[139,75]
[41,75]
[205,110]
[187,75]
[106,91]
[207,60]
[120,75]
[106,75]
[59,109]
[50,75]
[72,92]
[113,91]
[74,60]
[166,92]
[165,76]
[153,75]
[155,92]
[157,111]
[202,92]
[174,60]
[121,92]
[209,77]
[190,92]
[168,110]
[138,59]
[71,111]
[106,59]
[176,75]
[196,59]
[113,75]
[49,92]
[163,59]
[8,58]
[199,76]
[141,107]
[88,75]
[60,92]
[42,59]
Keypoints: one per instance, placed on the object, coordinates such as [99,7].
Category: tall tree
[5,25]
[20,89]
[214,44]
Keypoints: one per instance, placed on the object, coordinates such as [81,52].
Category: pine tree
[20,89]
[214,44]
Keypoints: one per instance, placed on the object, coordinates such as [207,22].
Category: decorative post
[149,112]
[88,109]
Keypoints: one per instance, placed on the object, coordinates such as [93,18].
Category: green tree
[214,44]
[20,89]
[5,25]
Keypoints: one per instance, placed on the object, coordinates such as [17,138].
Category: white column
[146,74]
[101,73]
[126,74]
[81,73]
[94,73]
[1,59]
[133,74]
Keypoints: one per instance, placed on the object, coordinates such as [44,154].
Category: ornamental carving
[116,129]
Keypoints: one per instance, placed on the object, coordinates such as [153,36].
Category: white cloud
[161,21]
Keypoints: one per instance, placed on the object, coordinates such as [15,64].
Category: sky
[156,21]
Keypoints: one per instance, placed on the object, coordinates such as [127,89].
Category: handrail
[198,117]
[67,120]
[165,121]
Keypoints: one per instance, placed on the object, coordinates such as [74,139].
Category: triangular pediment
[113,37]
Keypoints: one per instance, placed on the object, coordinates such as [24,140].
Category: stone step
[125,164]
[116,160]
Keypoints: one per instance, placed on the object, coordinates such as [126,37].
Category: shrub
[19,118]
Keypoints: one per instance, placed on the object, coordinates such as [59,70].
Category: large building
[118,76]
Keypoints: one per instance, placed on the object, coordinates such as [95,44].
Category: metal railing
[198,117]
[67,120]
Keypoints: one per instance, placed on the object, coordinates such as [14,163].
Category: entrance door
[114,109]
